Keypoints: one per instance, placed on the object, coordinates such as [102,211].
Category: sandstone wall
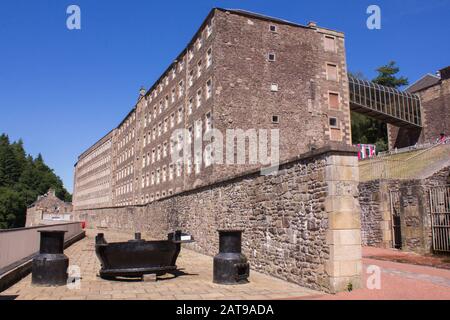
[301,225]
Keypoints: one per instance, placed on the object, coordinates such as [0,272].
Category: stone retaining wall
[413,195]
[301,225]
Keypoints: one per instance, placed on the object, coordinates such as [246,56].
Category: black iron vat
[138,257]
[50,265]
[230,265]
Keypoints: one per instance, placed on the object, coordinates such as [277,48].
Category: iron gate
[396,221]
[440,218]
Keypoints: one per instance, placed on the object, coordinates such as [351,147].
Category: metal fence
[440,218]
[412,165]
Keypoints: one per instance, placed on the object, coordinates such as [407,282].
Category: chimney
[445,73]
[142,92]
[312,24]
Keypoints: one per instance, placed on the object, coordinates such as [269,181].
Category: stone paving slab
[195,284]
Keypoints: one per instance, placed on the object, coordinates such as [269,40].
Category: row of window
[104,147]
[127,138]
[190,55]
[125,155]
[161,151]
[157,196]
[127,123]
[125,172]
[124,189]
[100,162]
[162,107]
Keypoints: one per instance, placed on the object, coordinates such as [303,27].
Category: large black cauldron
[230,265]
[137,257]
[50,266]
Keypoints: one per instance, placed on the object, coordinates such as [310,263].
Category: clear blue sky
[62,90]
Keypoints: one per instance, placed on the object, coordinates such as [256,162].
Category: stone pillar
[386,215]
[344,267]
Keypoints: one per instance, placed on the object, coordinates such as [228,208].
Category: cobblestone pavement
[196,284]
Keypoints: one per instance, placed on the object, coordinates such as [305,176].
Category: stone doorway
[396,219]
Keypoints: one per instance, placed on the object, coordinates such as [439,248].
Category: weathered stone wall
[301,225]
[371,216]
[413,195]
[435,118]
[46,204]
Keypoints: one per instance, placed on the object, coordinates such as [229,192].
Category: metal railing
[384,103]
[412,165]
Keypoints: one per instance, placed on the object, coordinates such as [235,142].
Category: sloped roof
[426,81]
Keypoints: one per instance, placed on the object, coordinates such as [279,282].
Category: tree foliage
[22,180]
[367,130]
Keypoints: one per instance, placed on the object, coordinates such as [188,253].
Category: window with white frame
[190,135]
[153,178]
[180,89]
[154,133]
[147,180]
[158,174]
[165,149]
[272,57]
[181,66]
[208,155]
[158,153]
[180,114]
[191,78]
[199,69]
[166,102]
[199,98]
[180,141]
[171,172]
[179,168]
[274,87]
[172,120]
[173,73]
[198,162]
[190,106]
[209,58]
[159,129]
[208,122]
[199,43]
[153,155]
[166,125]
[190,54]
[161,106]
[208,89]
[198,129]
[164,173]
[173,96]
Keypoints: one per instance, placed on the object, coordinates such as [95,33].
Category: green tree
[22,179]
[367,130]
[387,76]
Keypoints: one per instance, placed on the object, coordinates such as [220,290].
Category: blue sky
[62,90]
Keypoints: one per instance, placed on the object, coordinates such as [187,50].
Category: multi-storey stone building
[241,71]
[434,93]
